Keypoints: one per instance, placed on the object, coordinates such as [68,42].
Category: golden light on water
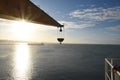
[22,62]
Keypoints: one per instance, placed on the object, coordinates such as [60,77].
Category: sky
[85,21]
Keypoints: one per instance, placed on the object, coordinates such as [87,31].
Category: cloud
[80,25]
[4,22]
[97,14]
[114,28]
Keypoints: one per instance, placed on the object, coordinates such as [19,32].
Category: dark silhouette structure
[60,40]
[25,9]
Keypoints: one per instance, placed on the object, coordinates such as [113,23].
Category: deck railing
[112,68]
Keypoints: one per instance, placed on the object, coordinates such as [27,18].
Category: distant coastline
[3,42]
[16,42]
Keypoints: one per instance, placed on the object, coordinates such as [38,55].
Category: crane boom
[25,9]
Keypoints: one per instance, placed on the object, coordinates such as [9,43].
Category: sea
[24,61]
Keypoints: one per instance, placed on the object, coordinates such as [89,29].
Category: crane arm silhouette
[25,9]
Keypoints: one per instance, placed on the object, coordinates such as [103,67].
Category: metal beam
[25,9]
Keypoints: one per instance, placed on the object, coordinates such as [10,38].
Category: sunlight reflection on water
[54,62]
[22,62]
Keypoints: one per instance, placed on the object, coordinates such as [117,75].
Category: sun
[22,30]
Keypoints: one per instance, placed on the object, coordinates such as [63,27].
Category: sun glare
[25,31]
[22,30]
[22,62]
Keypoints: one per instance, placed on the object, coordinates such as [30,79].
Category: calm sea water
[54,61]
